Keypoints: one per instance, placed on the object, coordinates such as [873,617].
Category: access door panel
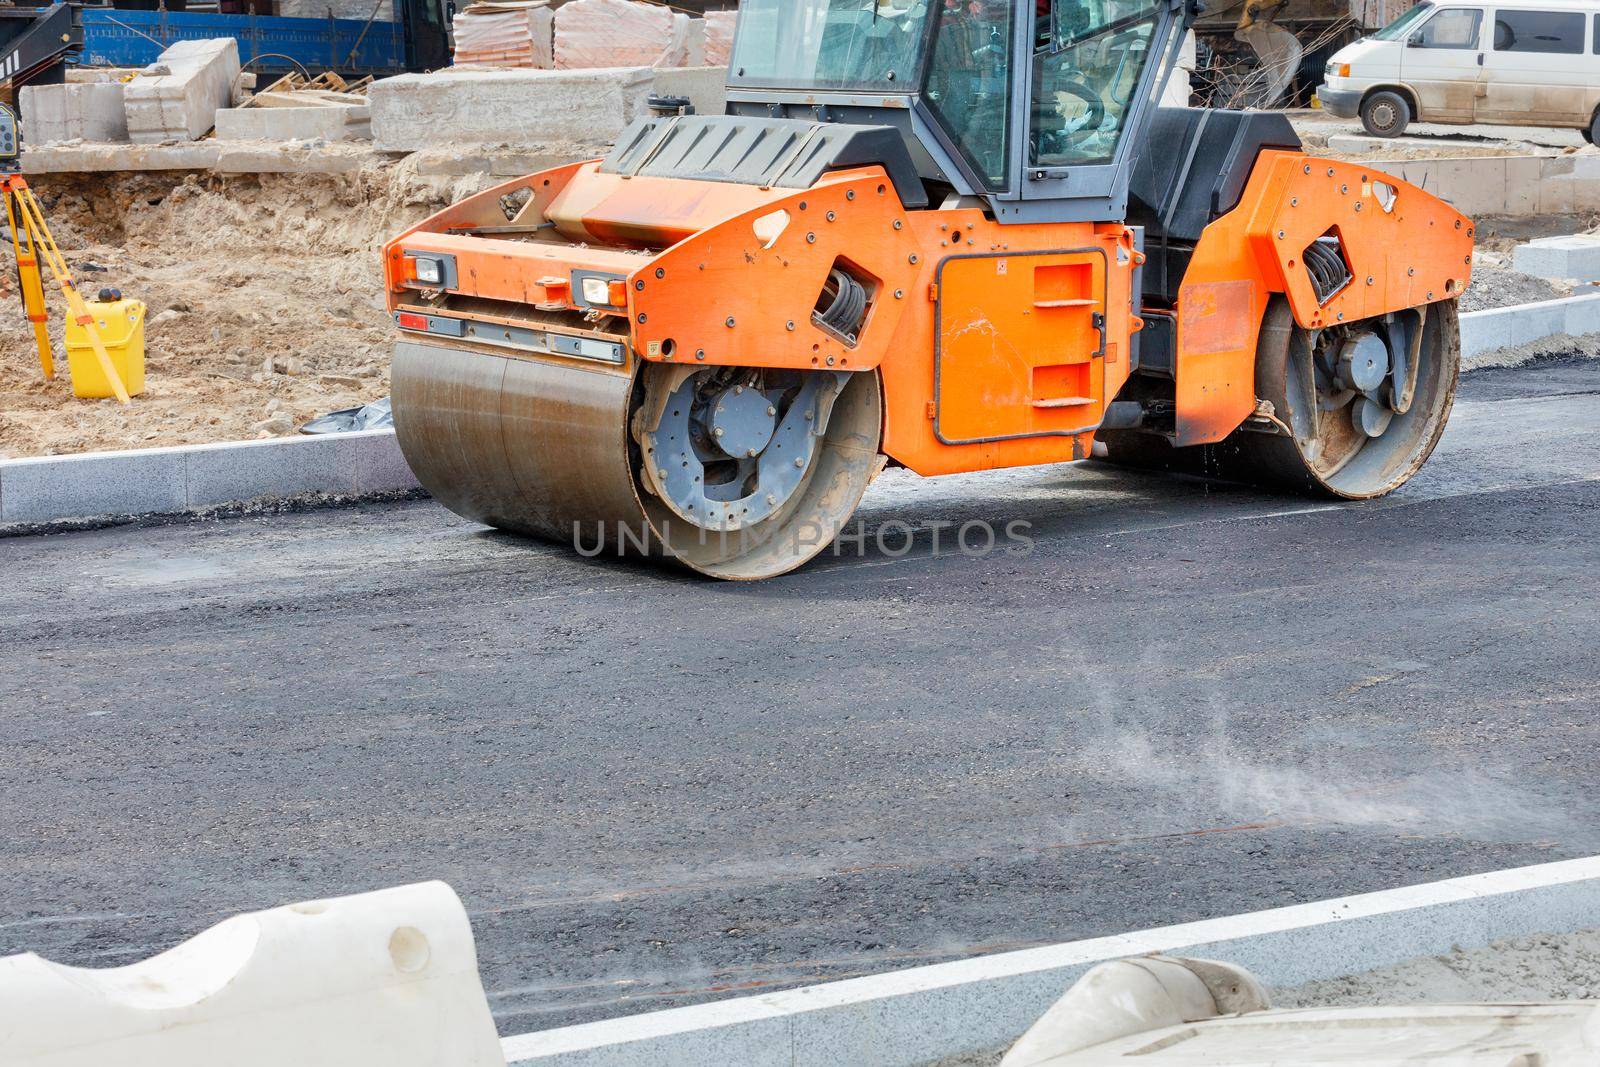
[1021,346]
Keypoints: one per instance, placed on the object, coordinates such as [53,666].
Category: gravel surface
[1185,700]
[1494,287]
[1546,967]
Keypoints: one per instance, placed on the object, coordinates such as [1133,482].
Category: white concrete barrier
[387,978]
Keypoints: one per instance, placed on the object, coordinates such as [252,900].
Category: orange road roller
[951,235]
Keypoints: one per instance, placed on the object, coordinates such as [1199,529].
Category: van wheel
[1592,134]
[1385,114]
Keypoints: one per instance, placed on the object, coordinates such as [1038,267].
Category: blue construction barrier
[122,38]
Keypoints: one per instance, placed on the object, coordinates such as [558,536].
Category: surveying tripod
[32,243]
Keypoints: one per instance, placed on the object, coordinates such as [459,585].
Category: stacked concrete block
[451,108]
[1576,257]
[333,123]
[177,97]
[73,112]
[602,33]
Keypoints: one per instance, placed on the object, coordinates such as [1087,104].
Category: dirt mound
[265,298]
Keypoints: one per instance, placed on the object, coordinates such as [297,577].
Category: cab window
[968,86]
[1086,70]
[844,44]
[1452,27]
[1549,32]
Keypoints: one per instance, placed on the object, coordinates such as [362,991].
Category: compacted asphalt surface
[1167,700]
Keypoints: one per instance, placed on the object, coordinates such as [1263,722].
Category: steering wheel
[1061,141]
[1097,106]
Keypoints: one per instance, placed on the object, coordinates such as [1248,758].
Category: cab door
[1537,69]
[1020,346]
[1443,63]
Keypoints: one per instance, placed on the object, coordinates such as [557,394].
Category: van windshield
[1398,29]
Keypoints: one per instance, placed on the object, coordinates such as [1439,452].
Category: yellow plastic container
[120,324]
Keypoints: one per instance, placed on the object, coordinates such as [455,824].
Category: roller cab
[952,241]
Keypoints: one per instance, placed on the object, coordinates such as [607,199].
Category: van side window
[1453,27]
[1550,32]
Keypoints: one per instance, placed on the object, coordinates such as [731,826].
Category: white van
[1506,62]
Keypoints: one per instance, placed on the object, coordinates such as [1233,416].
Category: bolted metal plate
[1371,417]
[712,479]
[744,421]
[1363,363]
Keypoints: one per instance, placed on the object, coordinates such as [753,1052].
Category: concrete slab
[53,488]
[177,97]
[294,124]
[501,162]
[1503,185]
[222,157]
[271,157]
[102,158]
[1576,257]
[1523,174]
[90,111]
[457,108]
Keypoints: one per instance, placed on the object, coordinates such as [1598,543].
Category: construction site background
[250,219]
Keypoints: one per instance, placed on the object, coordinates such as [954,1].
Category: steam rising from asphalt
[1315,782]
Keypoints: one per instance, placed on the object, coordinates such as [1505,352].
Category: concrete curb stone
[1485,331]
[926,1014]
[166,481]
[169,481]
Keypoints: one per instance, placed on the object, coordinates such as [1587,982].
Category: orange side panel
[742,292]
[1016,344]
[1029,374]
[1405,248]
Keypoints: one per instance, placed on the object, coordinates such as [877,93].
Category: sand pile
[264,294]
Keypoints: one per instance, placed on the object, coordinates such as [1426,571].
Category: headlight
[603,292]
[1338,70]
[428,271]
